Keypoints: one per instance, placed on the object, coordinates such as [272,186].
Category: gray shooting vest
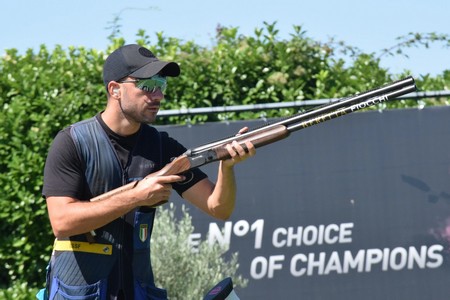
[119,259]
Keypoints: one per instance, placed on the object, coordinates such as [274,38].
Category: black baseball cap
[136,61]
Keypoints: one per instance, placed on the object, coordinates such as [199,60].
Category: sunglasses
[151,84]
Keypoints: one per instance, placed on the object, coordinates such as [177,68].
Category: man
[102,248]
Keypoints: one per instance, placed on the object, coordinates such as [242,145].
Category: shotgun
[277,130]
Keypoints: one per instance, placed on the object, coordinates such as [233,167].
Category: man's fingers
[238,148]
[240,152]
[172,178]
[242,130]
[167,178]
[250,148]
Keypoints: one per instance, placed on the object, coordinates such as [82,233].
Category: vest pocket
[62,291]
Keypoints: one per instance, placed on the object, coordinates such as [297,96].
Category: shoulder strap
[103,170]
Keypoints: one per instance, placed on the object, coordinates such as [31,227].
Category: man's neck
[120,126]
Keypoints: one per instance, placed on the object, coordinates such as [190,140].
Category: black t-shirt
[64,169]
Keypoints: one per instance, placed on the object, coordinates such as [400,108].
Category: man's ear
[113,88]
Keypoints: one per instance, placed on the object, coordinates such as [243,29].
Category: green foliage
[415,39]
[173,258]
[41,92]
[19,291]
[264,69]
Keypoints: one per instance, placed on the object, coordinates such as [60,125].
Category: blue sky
[368,25]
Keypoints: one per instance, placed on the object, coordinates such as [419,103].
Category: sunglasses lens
[152,84]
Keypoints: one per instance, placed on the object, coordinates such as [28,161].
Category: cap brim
[157,67]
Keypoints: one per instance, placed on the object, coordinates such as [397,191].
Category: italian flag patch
[143,232]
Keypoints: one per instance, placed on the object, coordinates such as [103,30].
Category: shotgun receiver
[277,130]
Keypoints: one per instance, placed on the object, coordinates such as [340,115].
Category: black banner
[354,208]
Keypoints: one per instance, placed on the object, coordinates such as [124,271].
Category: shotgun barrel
[281,129]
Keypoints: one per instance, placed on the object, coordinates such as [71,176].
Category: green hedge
[43,91]
[39,93]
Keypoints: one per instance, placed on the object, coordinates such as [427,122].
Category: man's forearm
[70,216]
[223,198]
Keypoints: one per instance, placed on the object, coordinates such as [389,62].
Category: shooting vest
[119,259]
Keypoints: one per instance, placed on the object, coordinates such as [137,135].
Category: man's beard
[138,117]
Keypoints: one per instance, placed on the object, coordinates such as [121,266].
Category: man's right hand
[154,189]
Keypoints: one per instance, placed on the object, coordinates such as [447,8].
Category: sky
[368,25]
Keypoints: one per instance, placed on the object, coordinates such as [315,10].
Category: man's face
[140,104]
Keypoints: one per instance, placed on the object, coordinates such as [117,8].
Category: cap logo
[145,52]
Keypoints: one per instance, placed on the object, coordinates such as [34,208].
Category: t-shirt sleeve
[172,149]
[63,173]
